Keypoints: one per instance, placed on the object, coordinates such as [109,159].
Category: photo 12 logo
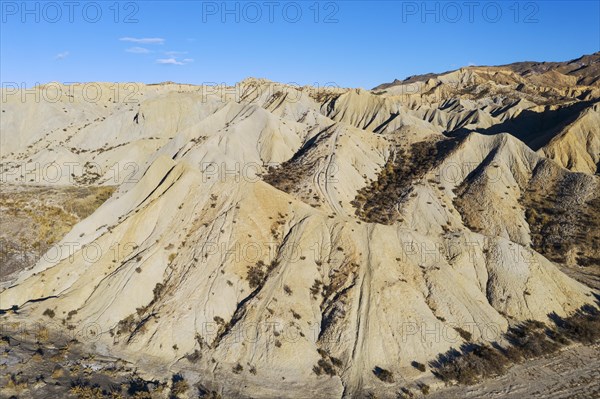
[470,11]
[252,12]
[69,11]
[70,92]
[292,91]
[69,172]
[70,252]
[51,331]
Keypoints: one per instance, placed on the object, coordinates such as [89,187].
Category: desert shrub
[238,368]
[257,274]
[205,393]
[327,364]
[157,291]
[469,367]
[137,387]
[17,382]
[558,227]
[49,312]
[464,334]
[87,392]
[316,288]
[383,374]
[405,393]
[326,367]
[179,387]
[527,340]
[513,354]
[583,326]
[588,261]
[194,356]
[419,366]
[126,325]
[377,202]
[71,314]
[288,175]
[335,361]
[531,339]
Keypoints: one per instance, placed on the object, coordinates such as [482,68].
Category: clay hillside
[267,240]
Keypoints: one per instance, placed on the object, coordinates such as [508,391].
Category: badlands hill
[267,240]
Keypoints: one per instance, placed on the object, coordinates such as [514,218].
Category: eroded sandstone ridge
[272,240]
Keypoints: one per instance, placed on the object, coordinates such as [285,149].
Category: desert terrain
[269,240]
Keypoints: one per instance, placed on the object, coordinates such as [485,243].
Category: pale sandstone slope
[215,240]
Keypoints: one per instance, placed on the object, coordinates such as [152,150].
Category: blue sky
[346,43]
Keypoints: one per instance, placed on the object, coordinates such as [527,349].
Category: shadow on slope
[535,129]
[527,340]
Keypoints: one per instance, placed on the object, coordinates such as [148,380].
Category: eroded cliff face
[270,233]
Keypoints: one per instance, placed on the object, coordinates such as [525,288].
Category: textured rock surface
[232,249]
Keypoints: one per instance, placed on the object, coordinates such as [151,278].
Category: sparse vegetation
[560,227]
[383,374]
[463,334]
[179,386]
[257,273]
[315,289]
[424,388]
[126,325]
[527,340]
[36,218]
[405,393]
[361,303]
[419,366]
[475,362]
[238,368]
[377,203]
[327,365]
[205,393]
[194,356]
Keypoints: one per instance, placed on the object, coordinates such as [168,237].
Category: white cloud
[61,56]
[173,61]
[174,53]
[143,40]
[138,50]
[168,61]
